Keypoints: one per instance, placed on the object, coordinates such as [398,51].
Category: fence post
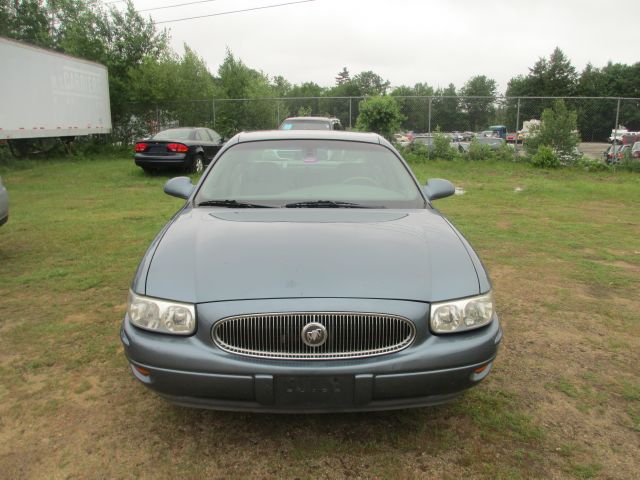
[430,101]
[615,129]
[157,119]
[213,111]
[278,110]
[350,98]
[517,121]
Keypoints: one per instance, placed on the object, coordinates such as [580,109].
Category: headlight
[161,316]
[461,315]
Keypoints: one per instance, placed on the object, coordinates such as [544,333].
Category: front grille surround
[277,335]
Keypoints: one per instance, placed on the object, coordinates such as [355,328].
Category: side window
[215,138]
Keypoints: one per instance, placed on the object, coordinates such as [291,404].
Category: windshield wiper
[231,204]
[327,204]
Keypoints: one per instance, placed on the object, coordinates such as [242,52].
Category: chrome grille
[278,335]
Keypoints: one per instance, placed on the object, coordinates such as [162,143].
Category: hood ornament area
[314,334]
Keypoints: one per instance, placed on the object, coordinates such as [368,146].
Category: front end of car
[311,354]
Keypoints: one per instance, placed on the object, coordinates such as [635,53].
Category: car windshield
[305,125]
[280,173]
[174,134]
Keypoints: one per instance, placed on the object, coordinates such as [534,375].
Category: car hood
[209,255]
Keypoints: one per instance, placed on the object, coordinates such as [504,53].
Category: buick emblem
[314,334]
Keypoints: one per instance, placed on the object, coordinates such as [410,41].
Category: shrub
[420,150]
[442,148]
[629,163]
[412,157]
[591,164]
[506,153]
[545,157]
[479,151]
[380,114]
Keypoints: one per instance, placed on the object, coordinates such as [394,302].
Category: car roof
[323,119]
[311,135]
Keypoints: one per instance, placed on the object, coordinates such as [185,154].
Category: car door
[202,136]
[216,139]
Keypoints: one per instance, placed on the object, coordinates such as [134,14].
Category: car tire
[198,164]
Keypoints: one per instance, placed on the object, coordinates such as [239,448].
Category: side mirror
[180,187]
[438,188]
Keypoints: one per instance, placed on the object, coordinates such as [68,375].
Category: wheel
[198,165]
[361,181]
[20,148]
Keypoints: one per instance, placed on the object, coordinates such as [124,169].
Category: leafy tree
[25,20]
[303,98]
[370,84]
[553,77]
[81,31]
[595,117]
[445,110]
[364,84]
[281,86]
[379,114]
[237,81]
[415,110]
[361,85]
[480,111]
[558,130]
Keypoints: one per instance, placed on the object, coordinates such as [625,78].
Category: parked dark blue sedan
[309,272]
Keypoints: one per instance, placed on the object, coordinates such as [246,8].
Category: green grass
[562,248]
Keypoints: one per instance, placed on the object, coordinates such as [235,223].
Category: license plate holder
[314,390]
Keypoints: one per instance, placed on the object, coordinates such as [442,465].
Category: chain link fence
[597,116]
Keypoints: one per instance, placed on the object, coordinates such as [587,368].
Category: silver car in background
[4,204]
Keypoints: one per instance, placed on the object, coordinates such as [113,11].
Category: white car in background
[4,204]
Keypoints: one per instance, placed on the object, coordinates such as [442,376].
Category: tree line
[144,71]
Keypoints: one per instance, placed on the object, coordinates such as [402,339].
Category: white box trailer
[46,94]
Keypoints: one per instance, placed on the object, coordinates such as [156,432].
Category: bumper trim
[258,392]
[235,406]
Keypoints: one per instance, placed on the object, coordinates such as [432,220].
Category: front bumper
[192,371]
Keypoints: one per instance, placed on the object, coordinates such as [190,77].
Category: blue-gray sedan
[309,272]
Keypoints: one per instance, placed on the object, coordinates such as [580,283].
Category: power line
[236,11]
[177,5]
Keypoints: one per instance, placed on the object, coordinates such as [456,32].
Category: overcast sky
[404,41]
